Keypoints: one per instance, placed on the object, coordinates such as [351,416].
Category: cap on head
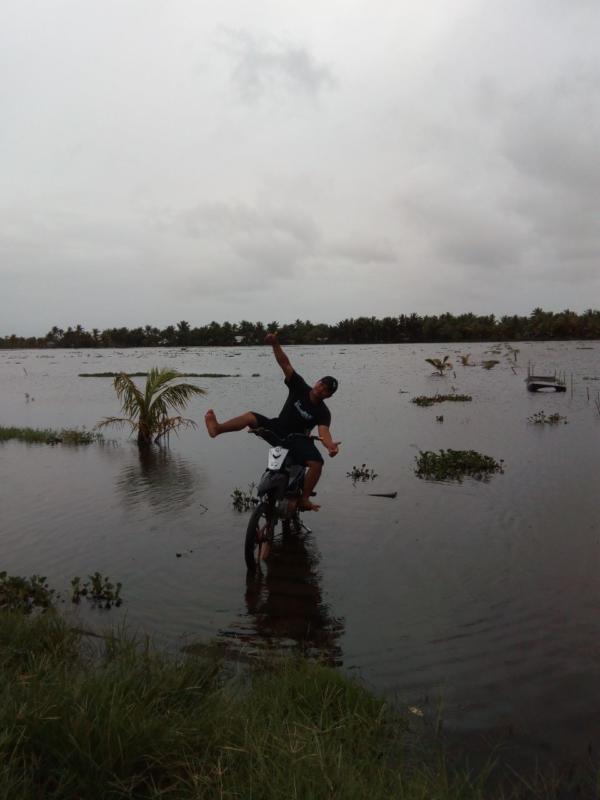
[330,383]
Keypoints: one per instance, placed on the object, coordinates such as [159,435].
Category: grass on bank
[128,722]
[50,436]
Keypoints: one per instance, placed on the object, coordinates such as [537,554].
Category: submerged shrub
[24,594]
[244,500]
[362,473]
[541,418]
[456,464]
[424,400]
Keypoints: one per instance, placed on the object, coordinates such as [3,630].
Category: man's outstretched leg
[214,428]
[310,481]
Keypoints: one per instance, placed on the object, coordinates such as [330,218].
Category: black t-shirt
[299,415]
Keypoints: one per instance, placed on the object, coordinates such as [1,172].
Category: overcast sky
[176,159]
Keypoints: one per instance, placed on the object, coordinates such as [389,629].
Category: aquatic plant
[362,473]
[24,594]
[456,464]
[441,365]
[49,436]
[147,411]
[490,363]
[244,500]
[98,589]
[465,360]
[541,418]
[425,401]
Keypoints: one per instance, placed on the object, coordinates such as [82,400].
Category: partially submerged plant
[456,464]
[24,594]
[49,436]
[424,400]
[362,473]
[98,589]
[541,418]
[244,500]
[465,360]
[489,364]
[440,364]
[148,411]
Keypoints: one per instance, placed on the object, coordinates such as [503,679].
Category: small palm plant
[147,411]
[440,364]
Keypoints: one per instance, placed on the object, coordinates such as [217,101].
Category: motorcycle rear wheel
[259,532]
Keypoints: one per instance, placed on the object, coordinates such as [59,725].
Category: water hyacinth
[456,464]
[425,400]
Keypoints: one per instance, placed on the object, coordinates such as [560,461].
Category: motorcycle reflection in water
[285,607]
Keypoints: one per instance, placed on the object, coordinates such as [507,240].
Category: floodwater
[481,596]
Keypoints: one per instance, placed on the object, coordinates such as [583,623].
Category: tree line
[539,325]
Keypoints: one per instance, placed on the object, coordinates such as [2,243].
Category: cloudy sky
[178,159]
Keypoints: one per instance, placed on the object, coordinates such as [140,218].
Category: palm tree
[147,412]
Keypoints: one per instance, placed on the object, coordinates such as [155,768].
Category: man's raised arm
[280,356]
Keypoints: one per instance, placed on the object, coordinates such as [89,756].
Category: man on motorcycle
[303,409]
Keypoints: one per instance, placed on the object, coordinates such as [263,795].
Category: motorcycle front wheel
[259,534]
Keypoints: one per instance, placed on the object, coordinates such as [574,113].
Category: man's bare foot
[306,505]
[212,426]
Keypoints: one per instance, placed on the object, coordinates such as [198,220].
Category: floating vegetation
[49,436]
[541,418]
[145,375]
[490,363]
[440,364]
[465,360]
[24,594]
[424,400]
[362,473]
[98,589]
[456,464]
[244,500]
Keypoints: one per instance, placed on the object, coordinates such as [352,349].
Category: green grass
[49,436]
[128,722]
[111,718]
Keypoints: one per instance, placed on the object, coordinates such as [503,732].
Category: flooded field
[484,596]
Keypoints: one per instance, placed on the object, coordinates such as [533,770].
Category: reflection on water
[161,479]
[285,605]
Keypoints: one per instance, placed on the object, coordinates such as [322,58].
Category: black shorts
[302,449]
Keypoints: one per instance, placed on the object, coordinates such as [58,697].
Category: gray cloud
[453,163]
[260,64]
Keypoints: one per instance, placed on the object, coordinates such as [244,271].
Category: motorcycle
[278,492]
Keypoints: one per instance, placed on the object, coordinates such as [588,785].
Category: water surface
[486,595]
